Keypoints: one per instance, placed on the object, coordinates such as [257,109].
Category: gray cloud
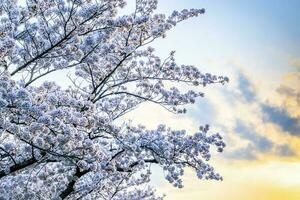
[259,142]
[246,88]
[280,117]
[286,90]
[284,150]
[244,153]
[289,92]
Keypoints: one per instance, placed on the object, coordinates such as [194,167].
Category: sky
[256,44]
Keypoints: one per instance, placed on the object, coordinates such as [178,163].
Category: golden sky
[272,180]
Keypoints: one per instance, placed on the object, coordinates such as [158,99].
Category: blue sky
[248,31]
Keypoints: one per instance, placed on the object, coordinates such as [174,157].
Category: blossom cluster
[72,143]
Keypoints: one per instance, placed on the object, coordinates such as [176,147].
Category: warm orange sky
[260,182]
[255,43]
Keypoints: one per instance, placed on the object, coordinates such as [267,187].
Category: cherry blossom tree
[74,143]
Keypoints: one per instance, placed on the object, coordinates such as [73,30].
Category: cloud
[280,117]
[256,143]
[291,94]
[287,91]
[285,150]
[243,153]
[203,112]
[292,76]
[259,142]
[246,88]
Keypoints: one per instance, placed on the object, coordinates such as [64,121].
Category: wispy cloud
[252,118]
[260,143]
[282,118]
[246,88]
[285,150]
[243,153]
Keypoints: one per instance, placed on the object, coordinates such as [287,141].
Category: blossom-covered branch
[67,143]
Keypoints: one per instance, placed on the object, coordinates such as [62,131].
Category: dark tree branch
[70,187]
